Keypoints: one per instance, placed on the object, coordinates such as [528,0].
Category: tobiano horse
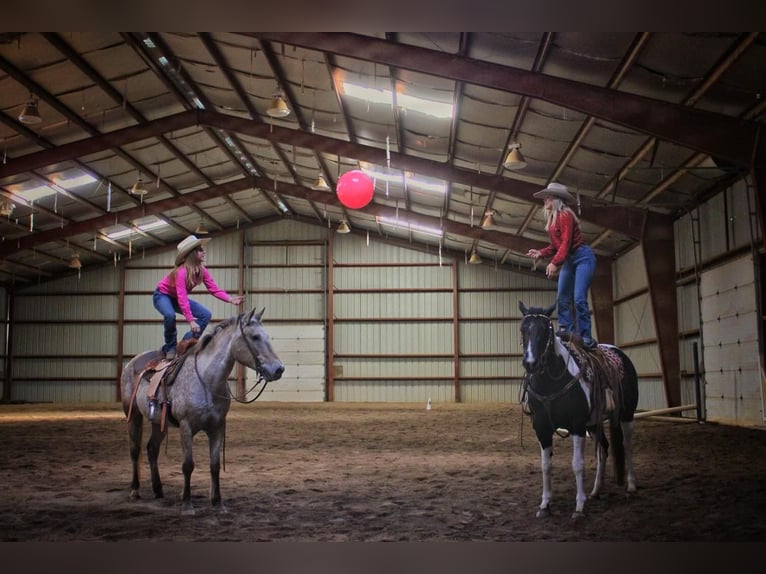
[196,399]
[569,387]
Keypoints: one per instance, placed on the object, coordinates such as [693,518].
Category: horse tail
[618,449]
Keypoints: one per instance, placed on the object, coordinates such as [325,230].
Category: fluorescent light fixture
[76,181]
[414,227]
[147,226]
[40,191]
[412,181]
[376,96]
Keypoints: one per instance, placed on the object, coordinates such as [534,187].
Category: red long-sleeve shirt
[565,238]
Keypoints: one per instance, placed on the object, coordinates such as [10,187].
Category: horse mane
[205,341]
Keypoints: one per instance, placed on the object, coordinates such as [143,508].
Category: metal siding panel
[688,307]
[742,216]
[634,320]
[629,273]
[143,279]
[65,340]
[712,228]
[683,233]
[66,308]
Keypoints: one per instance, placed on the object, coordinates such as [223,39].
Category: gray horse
[197,399]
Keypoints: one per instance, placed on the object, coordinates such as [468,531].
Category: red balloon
[355,189]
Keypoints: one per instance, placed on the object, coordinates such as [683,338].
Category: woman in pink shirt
[172,293]
[571,258]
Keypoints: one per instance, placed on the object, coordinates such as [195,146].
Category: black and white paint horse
[567,387]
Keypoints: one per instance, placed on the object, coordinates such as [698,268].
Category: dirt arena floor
[370,472]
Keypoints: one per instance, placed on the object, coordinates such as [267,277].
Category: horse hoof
[134,494]
[543,513]
[187,510]
[578,515]
[221,509]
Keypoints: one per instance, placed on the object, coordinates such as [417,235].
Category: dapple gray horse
[197,399]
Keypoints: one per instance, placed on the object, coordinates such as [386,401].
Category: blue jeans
[168,307]
[575,276]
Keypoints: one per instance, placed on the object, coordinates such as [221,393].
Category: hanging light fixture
[343,227]
[320,184]
[6,208]
[138,187]
[489,220]
[30,114]
[201,229]
[278,107]
[74,262]
[514,160]
[474,259]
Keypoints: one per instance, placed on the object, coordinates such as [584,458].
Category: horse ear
[260,313]
[523,308]
[549,311]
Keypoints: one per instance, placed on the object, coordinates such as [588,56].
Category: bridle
[258,368]
[529,378]
[548,349]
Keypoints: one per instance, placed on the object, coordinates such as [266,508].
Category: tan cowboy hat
[557,191]
[187,246]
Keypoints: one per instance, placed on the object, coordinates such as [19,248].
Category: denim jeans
[168,307]
[575,276]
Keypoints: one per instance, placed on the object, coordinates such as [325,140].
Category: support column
[660,262]
[602,300]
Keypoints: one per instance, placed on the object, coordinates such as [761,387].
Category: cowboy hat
[187,246]
[556,191]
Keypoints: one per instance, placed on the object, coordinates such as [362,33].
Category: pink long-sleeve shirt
[565,238]
[179,292]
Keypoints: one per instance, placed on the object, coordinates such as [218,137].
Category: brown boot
[186,344]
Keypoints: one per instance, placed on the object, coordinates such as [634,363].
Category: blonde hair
[193,266]
[552,211]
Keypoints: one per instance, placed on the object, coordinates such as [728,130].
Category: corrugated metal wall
[406,325]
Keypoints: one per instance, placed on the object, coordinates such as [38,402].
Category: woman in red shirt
[571,258]
[172,293]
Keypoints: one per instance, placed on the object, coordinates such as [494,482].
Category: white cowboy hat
[187,246]
[557,191]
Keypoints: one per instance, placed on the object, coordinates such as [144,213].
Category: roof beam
[621,218]
[719,135]
[9,247]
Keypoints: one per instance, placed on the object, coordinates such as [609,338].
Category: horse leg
[135,431]
[578,464]
[602,450]
[215,440]
[187,508]
[153,452]
[627,441]
[546,452]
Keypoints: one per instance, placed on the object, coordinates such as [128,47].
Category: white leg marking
[545,465]
[578,464]
[630,475]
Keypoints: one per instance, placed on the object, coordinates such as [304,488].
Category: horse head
[536,335]
[258,354]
